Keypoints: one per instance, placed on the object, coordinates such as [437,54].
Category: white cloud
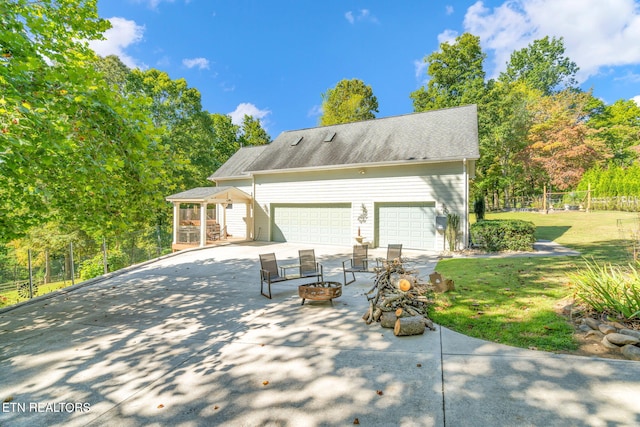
[349,16]
[448,36]
[596,34]
[449,9]
[315,111]
[636,99]
[248,109]
[163,62]
[153,4]
[200,63]
[122,34]
[363,16]
[226,87]
[420,67]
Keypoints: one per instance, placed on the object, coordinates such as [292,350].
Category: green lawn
[11,297]
[514,300]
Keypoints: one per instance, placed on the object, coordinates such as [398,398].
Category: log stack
[399,300]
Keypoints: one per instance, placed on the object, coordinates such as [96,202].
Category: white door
[311,223]
[412,224]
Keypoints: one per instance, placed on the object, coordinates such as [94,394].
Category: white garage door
[412,224]
[314,223]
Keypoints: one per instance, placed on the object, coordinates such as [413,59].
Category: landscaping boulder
[607,329]
[631,352]
[622,339]
[630,332]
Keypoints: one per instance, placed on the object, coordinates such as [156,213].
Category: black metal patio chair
[308,265]
[269,273]
[359,263]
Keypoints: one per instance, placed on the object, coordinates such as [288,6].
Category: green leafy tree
[350,101]
[503,138]
[185,129]
[619,126]
[252,132]
[456,75]
[226,137]
[543,66]
[71,148]
[116,73]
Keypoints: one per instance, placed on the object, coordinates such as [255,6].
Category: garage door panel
[412,224]
[313,223]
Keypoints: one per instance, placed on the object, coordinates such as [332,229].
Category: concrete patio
[188,340]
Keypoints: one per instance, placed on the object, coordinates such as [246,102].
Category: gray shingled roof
[207,194]
[237,164]
[432,136]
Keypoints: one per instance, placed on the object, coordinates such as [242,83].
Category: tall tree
[456,75]
[226,136]
[561,143]
[116,73]
[619,127]
[69,147]
[350,101]
[543,66]
[176,111]
[505,127]
[252,132]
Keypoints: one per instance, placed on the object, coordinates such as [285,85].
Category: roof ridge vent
[329,136]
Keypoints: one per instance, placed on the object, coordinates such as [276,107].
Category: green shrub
[609,289]
[504,235]
[94,267]
[453,230]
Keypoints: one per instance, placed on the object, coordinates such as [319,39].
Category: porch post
[249,225]
[176,221]
[465,229]
[203,224]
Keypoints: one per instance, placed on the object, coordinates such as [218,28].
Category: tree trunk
[47,267]
[388,319]
[400,282]
[405,326]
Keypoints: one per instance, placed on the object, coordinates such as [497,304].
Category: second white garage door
[412,224]
[312,223]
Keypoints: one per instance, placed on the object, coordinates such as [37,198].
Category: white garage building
[388,180]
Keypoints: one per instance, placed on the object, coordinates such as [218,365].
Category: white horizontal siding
[440,183]
[236,219]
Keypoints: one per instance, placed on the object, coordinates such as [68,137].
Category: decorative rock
[595,334]
[585,328]
[607,329]
[592,323]
[609,344]
[429,324]
[616,325]
[622,339]
[630,332]
[631,352]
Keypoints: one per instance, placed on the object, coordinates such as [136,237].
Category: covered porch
[202,216]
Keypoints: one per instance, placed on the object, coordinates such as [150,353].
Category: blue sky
[274,59]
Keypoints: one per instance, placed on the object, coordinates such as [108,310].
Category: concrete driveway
[189,341]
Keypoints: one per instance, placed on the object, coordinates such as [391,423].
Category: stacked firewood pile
[399,300]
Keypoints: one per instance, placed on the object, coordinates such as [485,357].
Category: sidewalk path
[189,341]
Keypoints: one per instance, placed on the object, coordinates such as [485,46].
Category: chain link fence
[30,269]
